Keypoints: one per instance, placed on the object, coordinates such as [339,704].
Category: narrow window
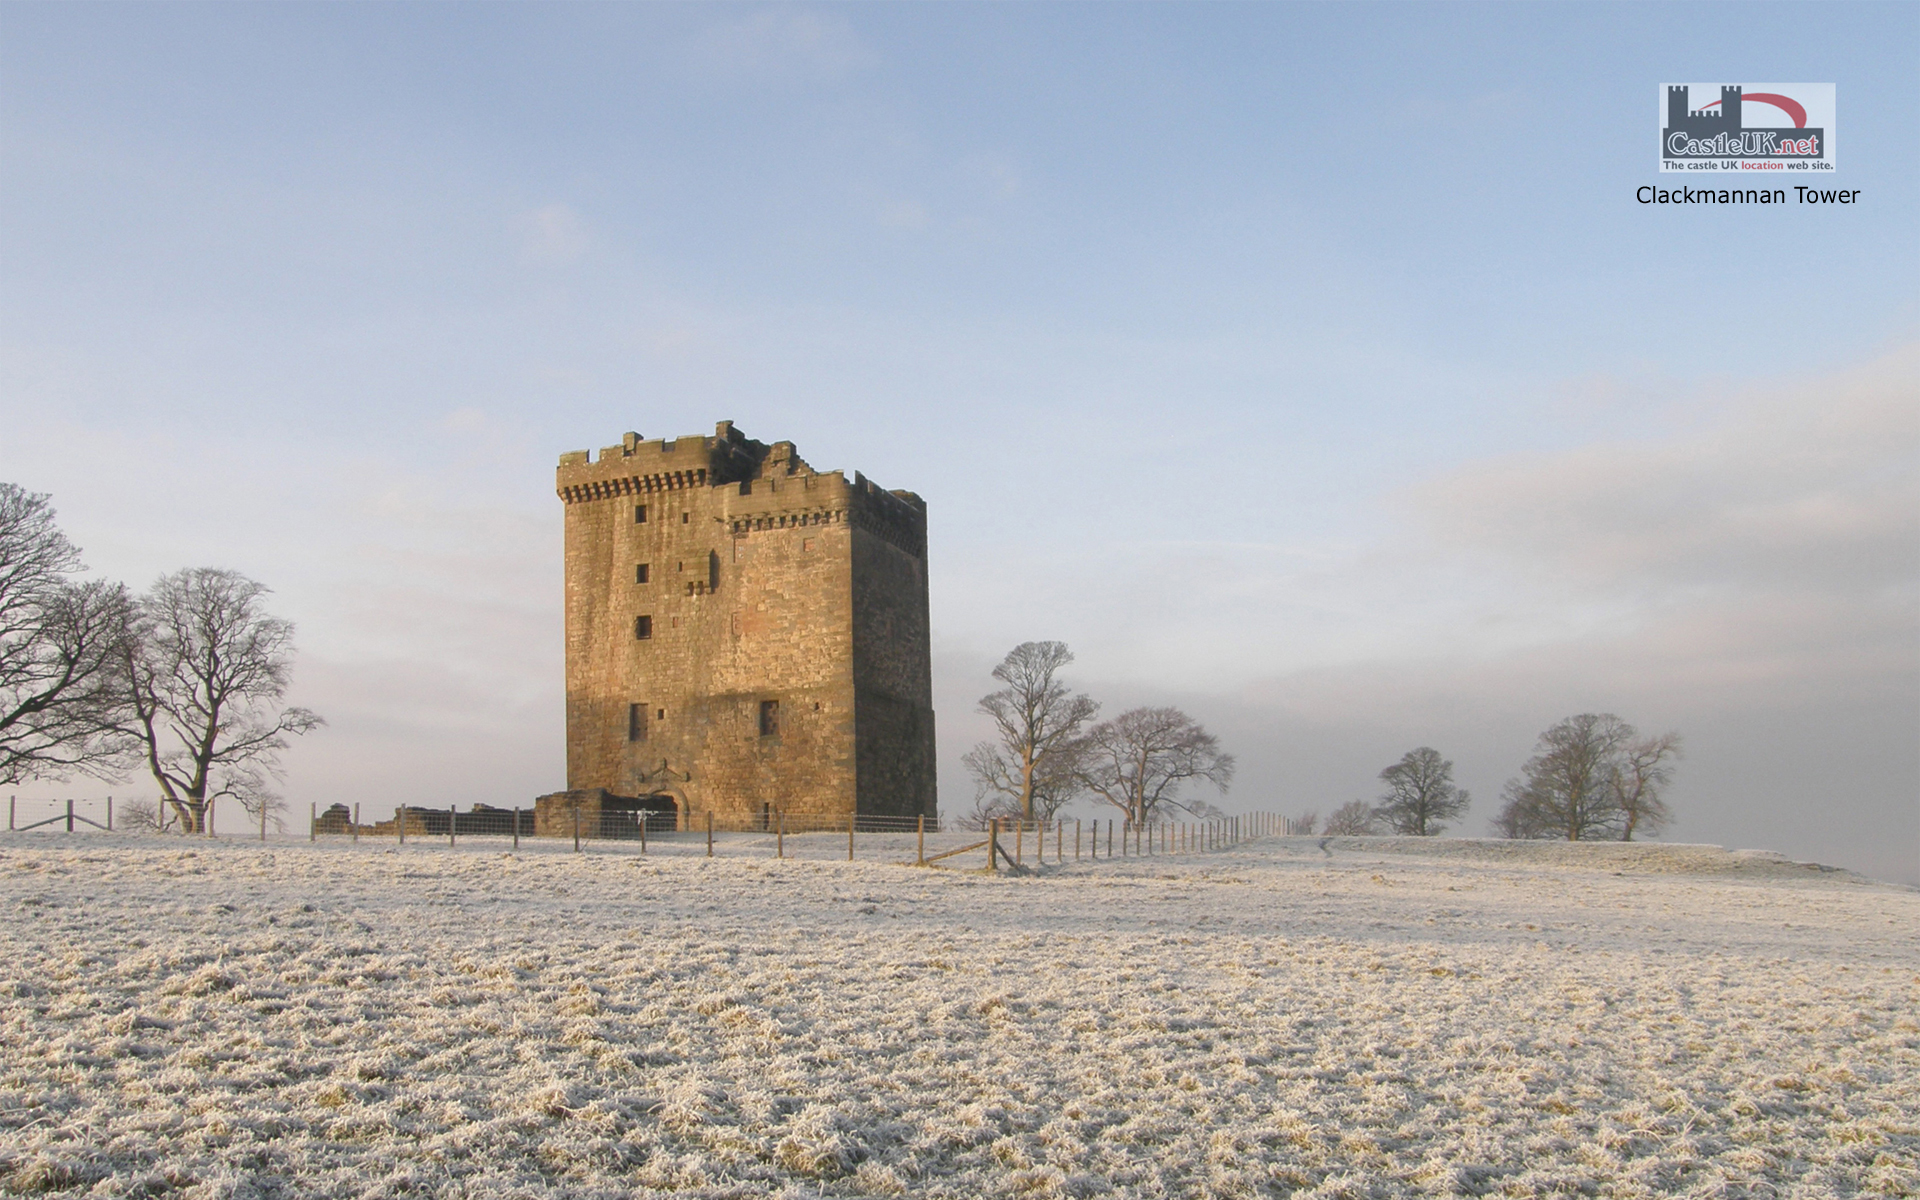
[640,573]
[639,514]
[643,627]
[685,517]
[636,722]
[660,714]
[769,718]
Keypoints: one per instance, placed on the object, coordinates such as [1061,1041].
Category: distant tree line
[1592,777]
[1048,751]
[182,683]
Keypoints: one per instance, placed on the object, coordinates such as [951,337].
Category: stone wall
[785,662]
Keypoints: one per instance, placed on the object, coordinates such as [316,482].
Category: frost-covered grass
[1375,1019]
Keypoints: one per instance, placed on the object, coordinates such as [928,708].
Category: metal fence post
[109,813]
[780,842]
[993,843]
[576,827]
[920,854]
[516,827]
[403,824]
[356,821]
[849,837]
[453,825]
[709,833]
[313,818]
[69,816]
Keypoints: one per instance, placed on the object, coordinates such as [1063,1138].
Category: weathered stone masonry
[745,635]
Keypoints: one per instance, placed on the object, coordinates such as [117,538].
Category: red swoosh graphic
[1786,104]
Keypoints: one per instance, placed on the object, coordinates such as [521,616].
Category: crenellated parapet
[767,486]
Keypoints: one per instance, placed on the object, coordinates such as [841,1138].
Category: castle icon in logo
[1703,133]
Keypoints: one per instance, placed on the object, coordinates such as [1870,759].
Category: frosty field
[1377,1018]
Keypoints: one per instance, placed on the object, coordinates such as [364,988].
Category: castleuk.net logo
[1746,127]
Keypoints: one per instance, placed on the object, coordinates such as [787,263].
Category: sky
[1312,367]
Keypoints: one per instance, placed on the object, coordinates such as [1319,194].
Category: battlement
[777,488]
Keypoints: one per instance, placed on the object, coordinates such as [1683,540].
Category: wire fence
[1001,845]
[69,815]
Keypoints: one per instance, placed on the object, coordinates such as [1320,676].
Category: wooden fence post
[516,827]
[780,839]
[576,827]
[109,812]
[709,833]
[313,818]
[643,833]
[1076,839]
[849,837]
[403,824]
[1019,842]
[1040,842]
[11,801]
[993,844]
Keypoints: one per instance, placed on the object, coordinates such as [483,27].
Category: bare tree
[1513,820]
[60,651]
[1352,819]
[1565,789]
[1139,761]
[1306,823]
[1030,770]
[207,667]
[1420,794]
[1640,772]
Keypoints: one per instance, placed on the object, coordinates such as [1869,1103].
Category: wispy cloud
[1808,486]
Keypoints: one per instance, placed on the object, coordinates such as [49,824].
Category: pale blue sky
[1309,364]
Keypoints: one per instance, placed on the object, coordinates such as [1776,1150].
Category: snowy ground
[1375,1019]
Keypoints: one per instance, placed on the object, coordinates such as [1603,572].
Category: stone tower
[745,635]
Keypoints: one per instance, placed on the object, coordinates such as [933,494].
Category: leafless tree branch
[60,644]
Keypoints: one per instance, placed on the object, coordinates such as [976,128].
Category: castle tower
[1677,106]
[745,635]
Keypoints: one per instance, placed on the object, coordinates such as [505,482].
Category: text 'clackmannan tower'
[745,635]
